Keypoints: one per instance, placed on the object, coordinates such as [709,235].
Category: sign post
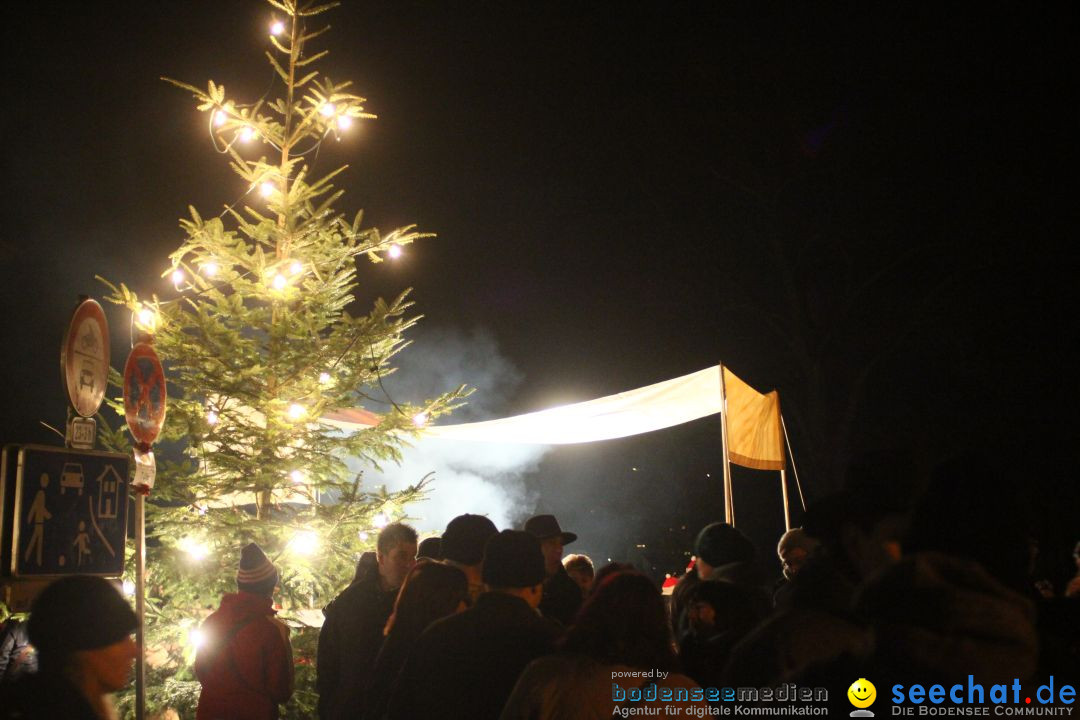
[144,410]
[84,363]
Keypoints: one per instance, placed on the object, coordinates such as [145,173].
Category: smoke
[483,478]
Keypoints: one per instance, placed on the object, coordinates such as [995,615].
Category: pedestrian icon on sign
[82,543]
[37,516]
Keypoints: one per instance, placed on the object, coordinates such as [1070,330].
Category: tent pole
[787,511]
[798,485]
[729,500]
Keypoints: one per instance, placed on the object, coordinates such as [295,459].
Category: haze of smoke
[483,478]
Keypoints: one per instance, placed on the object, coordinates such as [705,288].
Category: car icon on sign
[72,477]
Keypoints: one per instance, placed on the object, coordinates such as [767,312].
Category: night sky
[862,210]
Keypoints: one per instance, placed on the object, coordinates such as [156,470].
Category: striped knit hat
[256,574]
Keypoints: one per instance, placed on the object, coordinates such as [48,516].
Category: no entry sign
[144,394]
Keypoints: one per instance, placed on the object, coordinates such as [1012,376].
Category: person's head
[431,591]
[514,564]
[395,551]
[607,570]
[256,574]
[464,539]
[793,549]
[545,528]
[431,548]
[81,627]
[580,570]
[623,623]
[720,544]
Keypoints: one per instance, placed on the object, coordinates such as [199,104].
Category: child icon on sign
[38,515]
[82,544]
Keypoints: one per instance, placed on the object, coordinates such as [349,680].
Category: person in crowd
[621,629]
[722,553]
[245,662]
[432,591]
[720,614]
[464,666]
[17,656]
[610,569]
[580,570]
[82,630]
[793,550]
[463,547]
[431,548]
[366,567]
[562,596]
[352,632]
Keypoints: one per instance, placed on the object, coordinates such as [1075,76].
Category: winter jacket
[17,656]
[44,695]
[349,641]
[562,597]
[245,663]
[465,666]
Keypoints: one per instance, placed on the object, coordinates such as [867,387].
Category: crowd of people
[483,623]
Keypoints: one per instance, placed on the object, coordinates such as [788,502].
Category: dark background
[864,209]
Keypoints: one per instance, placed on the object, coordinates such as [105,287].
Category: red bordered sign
[84,358]
[144,394]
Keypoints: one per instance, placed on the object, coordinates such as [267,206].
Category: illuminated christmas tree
[259,347]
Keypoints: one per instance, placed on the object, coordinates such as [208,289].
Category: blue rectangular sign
[70,512]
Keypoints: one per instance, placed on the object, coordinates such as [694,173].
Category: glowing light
[247,135]
[305,542]
[211,418]
[210,269]
[325,379]
[327,109]
[295,267]
[280,281]
[277,28]
[420,419]
[177,276]
[147,318]
[297,476]
[195,549]
[220,116]
[297,411]
[267,189]
[196,638]
[344,122]
[380,521]
[363,535]
[129,588]
[394,251]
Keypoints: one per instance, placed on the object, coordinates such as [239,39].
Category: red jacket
[245,662]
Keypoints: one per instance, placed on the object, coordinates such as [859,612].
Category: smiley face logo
[862,693]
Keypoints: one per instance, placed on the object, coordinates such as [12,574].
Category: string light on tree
[279,282]
[305,542]
[297,476]
[327,109]
[363,535]
[394,251]
[147,318]
[380,521]
[266,189]
[196,638]
[247,135]
[129,588]
[177,276]
[210,269]
[420,419]
[277,27]
[325,379]
[211,418]
[344,122]
[220,117]
[296,267]
[195,549]
[297,411]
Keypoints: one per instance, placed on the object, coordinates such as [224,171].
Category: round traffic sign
[84,358]
[144,393]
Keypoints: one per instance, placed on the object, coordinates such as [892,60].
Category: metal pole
[729,500]
[140,605]
[787,512]
[798,485]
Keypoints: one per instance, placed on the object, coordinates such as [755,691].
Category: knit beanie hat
[463,541]
[80,612]
[256,574]
[512,559]
[719,544]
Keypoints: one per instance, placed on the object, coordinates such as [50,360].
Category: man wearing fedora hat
[562,596]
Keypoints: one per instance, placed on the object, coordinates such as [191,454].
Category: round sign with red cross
[144,394]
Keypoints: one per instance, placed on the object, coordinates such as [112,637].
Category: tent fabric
[754,435]
[753,424]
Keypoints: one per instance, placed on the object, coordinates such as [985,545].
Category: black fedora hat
[546,526]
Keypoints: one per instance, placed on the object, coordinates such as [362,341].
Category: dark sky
[861,209]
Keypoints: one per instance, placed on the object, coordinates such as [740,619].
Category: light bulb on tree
[210,269]
[177,276]
[196,638]
[266,189]
[280,281]
[380,521]
[325,379]
[394,251]
[277,27]
[297,411]
[420,419]
[220,117]
[295,267]
[297,476]
[327,109]
[129,588]
[305,542]
[247,135]
[211,418]
[195,549]
[344,122]
[147,318]
[363,535]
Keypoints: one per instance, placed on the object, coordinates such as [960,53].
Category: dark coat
[44,695]
[562,597]
[465,666]
[17,656]
[349,641]
[245,667]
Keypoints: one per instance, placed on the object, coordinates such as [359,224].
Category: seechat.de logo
[862,694]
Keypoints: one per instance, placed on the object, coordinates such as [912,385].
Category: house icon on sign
[108,492]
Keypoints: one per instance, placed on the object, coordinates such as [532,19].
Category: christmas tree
[258,346]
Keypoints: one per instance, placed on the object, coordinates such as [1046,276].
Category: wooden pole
[729,500]
[140,605]
[787,511]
